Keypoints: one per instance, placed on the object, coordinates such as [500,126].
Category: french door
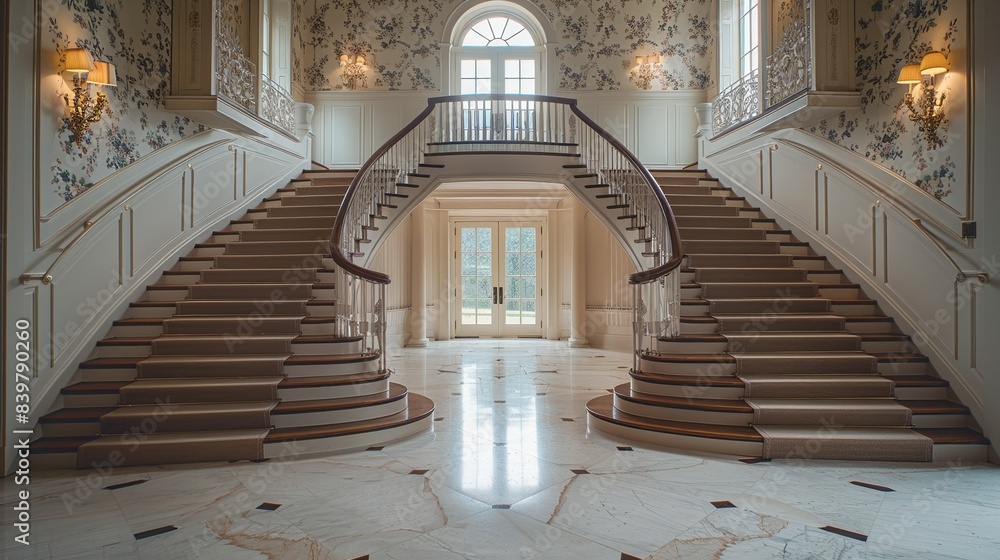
[499,293]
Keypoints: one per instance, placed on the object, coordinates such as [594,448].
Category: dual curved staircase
[235,353]
[779,355]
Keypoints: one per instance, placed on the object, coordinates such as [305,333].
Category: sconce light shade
[79,60]
[933,63]
[344,59]
[654,59]
[359,60]
[910,74]
[103,74]
[639,60]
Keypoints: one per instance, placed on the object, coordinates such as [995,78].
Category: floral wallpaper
[134,35]
[891,34]
[596,43]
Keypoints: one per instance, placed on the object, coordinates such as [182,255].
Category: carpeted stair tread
[251,291]
[126,341]
[294,308]
[806,362]
[846,443]
[767,305]
[829,412]
[187,417]
[794,342]
[252,365]
[324,339]
[624,391]
[174,447]
[418,407]
[796,386]
[257,276]
[266,248]
[284,262]
[231,325]
[665,357]
[780,323]
[222,345]
[757,290]
[202,390]
[329,359]
[603,408]
[786,274]
[917,381]
[394,393]
[727,247]
[732,260]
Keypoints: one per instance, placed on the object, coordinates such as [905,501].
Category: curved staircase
[779,355]
[235,353]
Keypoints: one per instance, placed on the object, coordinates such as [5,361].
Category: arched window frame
[470,12]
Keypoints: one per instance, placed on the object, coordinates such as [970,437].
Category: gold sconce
[645,70]
[926,108]
[353,71]
[85,110]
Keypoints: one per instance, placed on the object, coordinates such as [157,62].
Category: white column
[418,279]
[578,312]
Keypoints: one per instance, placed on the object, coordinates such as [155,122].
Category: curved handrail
[640,277]
[960,274]
[339,257]
[676,253]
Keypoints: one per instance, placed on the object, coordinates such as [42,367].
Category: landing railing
[380,193]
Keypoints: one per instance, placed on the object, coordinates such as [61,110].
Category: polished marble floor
[511,472]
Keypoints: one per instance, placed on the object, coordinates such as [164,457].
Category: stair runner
[776,339]
[232,350]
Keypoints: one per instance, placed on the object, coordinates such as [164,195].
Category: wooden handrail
[676,252]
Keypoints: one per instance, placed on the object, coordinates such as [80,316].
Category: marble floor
[510,471]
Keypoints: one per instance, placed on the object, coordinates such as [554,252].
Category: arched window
[497,47]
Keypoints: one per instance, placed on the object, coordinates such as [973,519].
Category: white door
[498,265]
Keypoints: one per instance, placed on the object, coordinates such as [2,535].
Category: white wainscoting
[657,126]
[188,189]
[865,228]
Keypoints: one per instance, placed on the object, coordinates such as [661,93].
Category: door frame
[497,55]
[541,270]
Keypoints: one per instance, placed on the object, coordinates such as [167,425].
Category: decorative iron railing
[236,74]
[505,123]
[789,67]
[277,106]
[738,103]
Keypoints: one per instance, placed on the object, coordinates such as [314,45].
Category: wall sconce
[927,108]
[353,71]
[85,110]
[645,70]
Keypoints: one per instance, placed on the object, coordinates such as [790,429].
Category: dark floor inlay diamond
[872,486]
[500,443]
[610,390]
[154,532]
[598,356]
[501,506]
[568,420]
[439,418]
[125,484]
[626,556]
[376,448]
[457,394]
[420,472]
[540,394]
[625,448]
[268,506]
[264,460]
[365,557]
[845,533]
[500,402]
[723,504]
[752,460]
[579,471]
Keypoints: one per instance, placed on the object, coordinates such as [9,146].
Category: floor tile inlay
[507,482]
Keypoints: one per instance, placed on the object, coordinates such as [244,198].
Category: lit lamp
[927,108]
[645,70]
[353,70]
[85,110]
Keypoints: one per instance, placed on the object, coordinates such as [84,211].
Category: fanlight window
[498,32]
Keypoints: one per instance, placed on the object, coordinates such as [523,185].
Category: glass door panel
[498,265]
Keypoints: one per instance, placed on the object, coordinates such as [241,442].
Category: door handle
[501,295]
[494,295]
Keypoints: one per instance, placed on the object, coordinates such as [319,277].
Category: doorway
[498,266]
